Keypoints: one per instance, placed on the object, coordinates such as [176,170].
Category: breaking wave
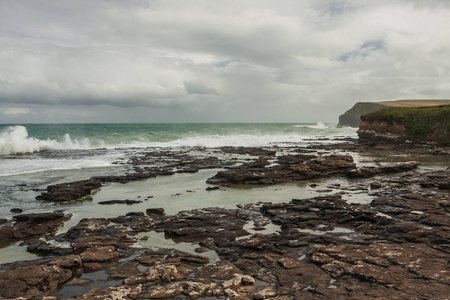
[15,140]
[319,125]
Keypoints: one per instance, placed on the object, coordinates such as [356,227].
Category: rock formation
[407,124]
[352,117]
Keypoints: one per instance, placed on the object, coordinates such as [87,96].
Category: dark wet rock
[289,168]
[99,254]
[78,281]
[77,190]
[187,170]
[137,222]
[133,177]
[197,225]
[367,172]
[266,292]
[444,186]
[16,210]
[194,288]
[120,292]
[155,211]
[98,242]
[44,248]
[375,185]
[213,188]
[39,217]
[127,202]
[254,151]
[324,191]
[384,264]
[223,270]
[70,191]
[428,184]
[38,278]
[135,213]
[31,225]
[316,248]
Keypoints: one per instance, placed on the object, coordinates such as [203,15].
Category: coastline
[306,246]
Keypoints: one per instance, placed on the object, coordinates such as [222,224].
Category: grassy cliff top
[413,103]
[427,123]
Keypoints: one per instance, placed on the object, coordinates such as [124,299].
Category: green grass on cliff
[419,122]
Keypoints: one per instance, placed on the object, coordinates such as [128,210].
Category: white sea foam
[319,125]
[15,139]
[26,166]
[237,140]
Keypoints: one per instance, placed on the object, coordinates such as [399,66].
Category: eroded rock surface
[393,244]
[27,226]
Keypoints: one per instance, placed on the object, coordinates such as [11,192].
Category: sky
[84,61]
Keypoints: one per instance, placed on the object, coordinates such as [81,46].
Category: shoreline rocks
[394,243]
[27,226]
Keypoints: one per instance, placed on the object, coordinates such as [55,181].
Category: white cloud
[253,60]
[14,111]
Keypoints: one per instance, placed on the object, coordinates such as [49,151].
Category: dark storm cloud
[175,60]
[198,88]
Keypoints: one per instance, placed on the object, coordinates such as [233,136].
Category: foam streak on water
[40,147]
[15,139]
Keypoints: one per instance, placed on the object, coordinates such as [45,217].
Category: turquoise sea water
[37,137]
[23,147]
[33,156]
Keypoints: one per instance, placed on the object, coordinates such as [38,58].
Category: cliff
[414,124]
[352,117]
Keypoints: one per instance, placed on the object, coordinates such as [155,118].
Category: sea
[34,148]
[33,156]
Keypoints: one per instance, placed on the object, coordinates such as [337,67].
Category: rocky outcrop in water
[27,226]
[392,242]
[291,168]
[407,124]
[352,117]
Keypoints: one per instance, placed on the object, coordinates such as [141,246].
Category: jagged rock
[99,254]
[70,190]
[38,278]
[127,202]
[31,225]
[375,185]
[266,293]
[155,211]
[121,292]
[213,188]
[223,270]
[237,281]
[124,271]
[290,168]
[444,186]
[388,169]
[137,222]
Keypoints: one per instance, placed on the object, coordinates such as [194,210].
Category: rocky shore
[393,245]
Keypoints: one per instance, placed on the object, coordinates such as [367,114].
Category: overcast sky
[217,61]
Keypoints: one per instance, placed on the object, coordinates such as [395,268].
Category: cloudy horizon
[217,61]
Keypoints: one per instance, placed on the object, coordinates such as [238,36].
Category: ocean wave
[235,140]
[15,140]
[319,125]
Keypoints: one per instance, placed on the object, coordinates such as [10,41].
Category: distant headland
[352,117]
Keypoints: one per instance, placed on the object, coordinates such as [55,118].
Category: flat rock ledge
[300,167]
[396,245]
